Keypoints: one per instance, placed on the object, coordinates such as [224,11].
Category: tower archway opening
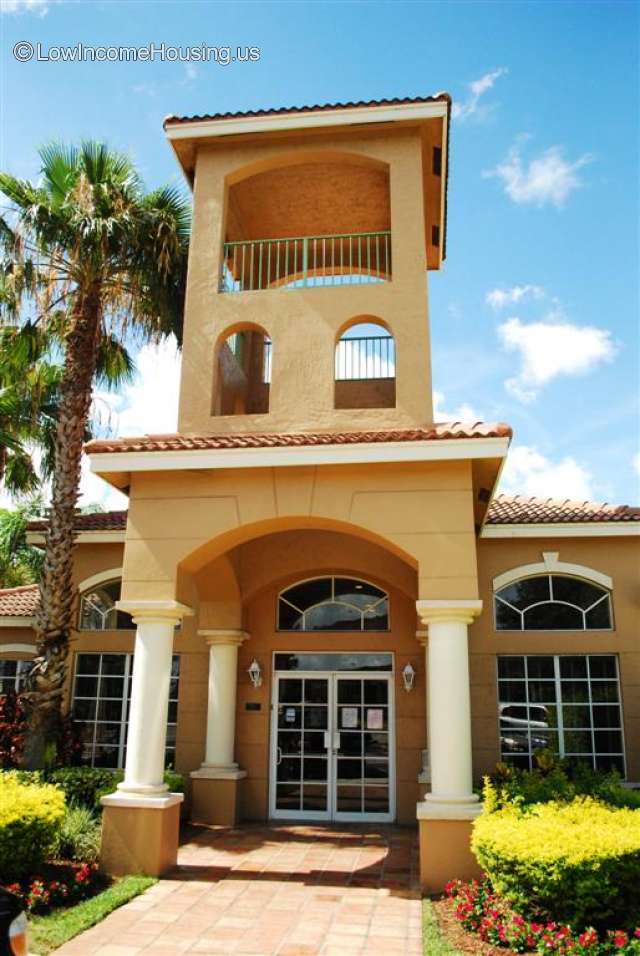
[365,367]
[243,373]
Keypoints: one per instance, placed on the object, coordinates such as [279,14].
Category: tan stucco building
[316,607]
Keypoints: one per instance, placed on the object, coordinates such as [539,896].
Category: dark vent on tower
[437,161]
[435,235]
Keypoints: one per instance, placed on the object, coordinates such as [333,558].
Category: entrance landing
[287,890]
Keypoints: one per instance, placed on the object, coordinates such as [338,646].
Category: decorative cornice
[463,611]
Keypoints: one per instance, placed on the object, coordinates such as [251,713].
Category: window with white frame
[333,604]
[101,697]
[552,602]
[13,674]
[98,610]
[569,704]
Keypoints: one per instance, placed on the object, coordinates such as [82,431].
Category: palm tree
[93,256]
[20,563]
[30,378]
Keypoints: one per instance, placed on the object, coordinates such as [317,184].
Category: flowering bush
[30,815]
[75,882]
[576,862]
[480,910]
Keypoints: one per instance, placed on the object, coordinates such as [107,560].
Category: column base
[216,795]
[140,833]
[445,844]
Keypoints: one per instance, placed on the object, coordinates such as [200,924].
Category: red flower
[620,938]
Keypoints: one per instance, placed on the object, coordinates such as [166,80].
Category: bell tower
[313,232]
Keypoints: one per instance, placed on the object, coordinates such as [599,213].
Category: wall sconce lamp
[255,673]
[408,676]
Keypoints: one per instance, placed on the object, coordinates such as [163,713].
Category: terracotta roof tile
[93,521]
[172,120]
[520,509]
[175,442]
[19,602]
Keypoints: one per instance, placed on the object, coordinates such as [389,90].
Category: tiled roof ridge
[172,119]
[19,588]
[190,442]
[533,509]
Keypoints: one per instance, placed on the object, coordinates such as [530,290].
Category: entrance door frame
[331,815]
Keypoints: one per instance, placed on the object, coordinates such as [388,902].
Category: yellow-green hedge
[577,863]
[30,815]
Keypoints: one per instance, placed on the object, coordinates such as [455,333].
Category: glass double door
[332,752]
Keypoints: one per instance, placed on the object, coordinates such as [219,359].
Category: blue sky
[535,317]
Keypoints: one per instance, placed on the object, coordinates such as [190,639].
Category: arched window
[243,374]
[365,367]
[552,602]
[98,608]
[333,604]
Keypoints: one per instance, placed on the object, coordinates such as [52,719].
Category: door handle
[327,739]
[278,755]
[336,741]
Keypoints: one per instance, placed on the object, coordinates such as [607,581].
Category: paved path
[275,891]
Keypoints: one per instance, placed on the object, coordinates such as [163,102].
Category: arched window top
[98,610]
[552,602]
[333,604]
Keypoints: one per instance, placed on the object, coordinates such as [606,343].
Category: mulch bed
[458,937]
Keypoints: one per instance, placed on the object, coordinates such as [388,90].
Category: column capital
[455,611]
[229,636]
[155,612]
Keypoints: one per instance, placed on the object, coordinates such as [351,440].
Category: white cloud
[551,348]
[41,7]
[548,178]
[463,413]
[528,472]
[471,106]
[500,298]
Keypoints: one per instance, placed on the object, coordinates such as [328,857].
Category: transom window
[101,696]
[552,602]
[565,703]
[98,609]
[13,674]
[333,604]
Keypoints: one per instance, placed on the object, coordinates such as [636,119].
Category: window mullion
[591,720]
[558,688]
[526,696]
[123,710]
[95,719]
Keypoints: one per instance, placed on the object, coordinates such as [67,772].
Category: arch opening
[243,373]
[324,220]
[365,366]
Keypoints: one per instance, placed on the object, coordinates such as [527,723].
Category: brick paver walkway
[275,891]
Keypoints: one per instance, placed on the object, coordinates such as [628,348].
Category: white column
[221,705]
[146,738]
[449,708]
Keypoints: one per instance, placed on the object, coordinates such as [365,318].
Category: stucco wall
[304,324]
[422,512]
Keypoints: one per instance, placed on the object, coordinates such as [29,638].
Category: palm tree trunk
[55,616]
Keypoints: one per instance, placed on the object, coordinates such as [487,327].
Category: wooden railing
[303,261]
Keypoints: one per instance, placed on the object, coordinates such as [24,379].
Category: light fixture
[255,673]
[408,676]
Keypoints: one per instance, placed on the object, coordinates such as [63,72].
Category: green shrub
[30,815]
[78,838]
[576,863]
[557,780]
[85,786]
